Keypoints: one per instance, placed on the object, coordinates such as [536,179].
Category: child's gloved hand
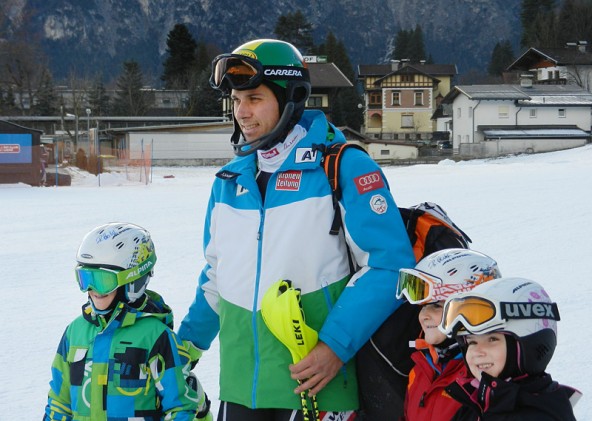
[203,404]
[194,352]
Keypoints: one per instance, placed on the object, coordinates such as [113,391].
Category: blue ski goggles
[105,280]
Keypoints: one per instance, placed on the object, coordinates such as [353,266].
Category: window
[503,111]
[458,113]
[396,98]
[533,113]
[375,98]
[315,102]
[385,152]
[407,120]
[406,78]
[561,112]
[419,98]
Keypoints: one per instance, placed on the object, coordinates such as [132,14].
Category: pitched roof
[538,95]
[558,56]
[327,75]
[380,70]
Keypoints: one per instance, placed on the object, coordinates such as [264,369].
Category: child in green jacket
[121,360]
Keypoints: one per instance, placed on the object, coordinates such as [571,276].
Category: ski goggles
[477,315]
[416,286]
[105,280]
[240,72]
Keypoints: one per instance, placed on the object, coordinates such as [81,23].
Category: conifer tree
[295,29]
[538,23]
[130,99]
[98,99]
[47,100]
[501,57]
[410,44]
[344,107]
[574,22]
[181,61]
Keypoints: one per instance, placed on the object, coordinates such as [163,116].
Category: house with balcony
[401,98]
[493,120]
[569,65]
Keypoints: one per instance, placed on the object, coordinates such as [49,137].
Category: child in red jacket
[438,360]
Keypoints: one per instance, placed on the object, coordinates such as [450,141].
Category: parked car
[444,145]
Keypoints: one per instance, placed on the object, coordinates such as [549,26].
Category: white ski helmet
[445,272]
[517,306]
[113,255]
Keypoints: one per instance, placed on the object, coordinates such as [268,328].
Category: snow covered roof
[557,100]
[535,133]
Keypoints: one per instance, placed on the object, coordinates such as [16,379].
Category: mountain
[93,36]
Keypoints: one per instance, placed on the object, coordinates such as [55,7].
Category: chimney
[422,62]
[526,80]
[582,46]
[395,65]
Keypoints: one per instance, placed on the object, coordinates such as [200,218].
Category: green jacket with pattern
[129,367]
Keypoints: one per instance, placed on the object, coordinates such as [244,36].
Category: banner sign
[16,148]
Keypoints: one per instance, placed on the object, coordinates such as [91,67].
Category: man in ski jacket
[268,218]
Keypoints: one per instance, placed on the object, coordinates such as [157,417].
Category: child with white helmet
[507,331]
[438,360]
[120,359]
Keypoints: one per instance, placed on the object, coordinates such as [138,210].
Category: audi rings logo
[369,179]
[369,182]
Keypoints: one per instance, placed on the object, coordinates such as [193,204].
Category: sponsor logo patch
[378,204]
[305,155]
[227,175]
[270,154]
[288,181]
[369,182]
[240,190]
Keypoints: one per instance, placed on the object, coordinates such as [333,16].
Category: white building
[491,120]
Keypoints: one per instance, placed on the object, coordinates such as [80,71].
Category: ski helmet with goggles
[515,306]
[445,272]
[115,255]
[278,65]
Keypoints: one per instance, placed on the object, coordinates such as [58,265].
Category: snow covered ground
[531,213]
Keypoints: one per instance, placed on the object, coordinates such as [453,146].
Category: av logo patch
[369,182]
[240,190]
[305,155]
[288,181]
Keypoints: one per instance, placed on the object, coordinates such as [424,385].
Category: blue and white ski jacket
[249,245]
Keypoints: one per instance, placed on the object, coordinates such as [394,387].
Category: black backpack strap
[332,155]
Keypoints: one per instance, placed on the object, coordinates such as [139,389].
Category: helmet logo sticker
[289,181]
[247,53]
[369,182]
[529,311]
[87,256]
[283,72]
[378,204]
